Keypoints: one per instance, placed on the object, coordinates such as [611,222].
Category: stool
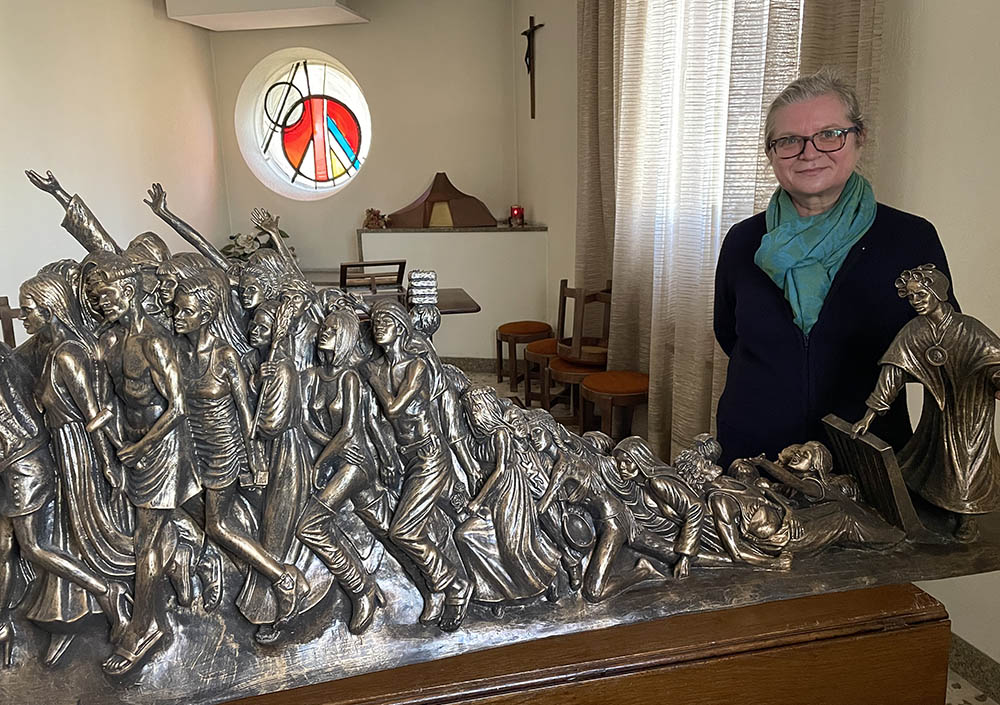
[512,334]
[537,353]
[571,375]
[623,389]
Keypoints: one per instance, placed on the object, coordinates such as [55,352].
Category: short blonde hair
[826,81]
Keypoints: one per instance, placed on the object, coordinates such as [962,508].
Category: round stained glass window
[303,124]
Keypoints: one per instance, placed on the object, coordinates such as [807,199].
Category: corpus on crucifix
[529,57]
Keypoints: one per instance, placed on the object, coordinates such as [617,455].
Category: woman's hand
[682,568]
[268,369]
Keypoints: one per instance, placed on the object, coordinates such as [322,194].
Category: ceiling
[231,15]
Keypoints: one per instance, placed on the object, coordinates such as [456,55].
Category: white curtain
[672,98]
[695,81]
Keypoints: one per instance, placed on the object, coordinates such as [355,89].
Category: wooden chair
[517,333]
[537,354]
[577,356]
[580,349]
[540,352]
[610,390]
[7,316]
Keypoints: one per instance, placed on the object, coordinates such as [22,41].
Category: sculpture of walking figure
[221,420]
[429,474]
[336,385]
[27,487]
[157,449]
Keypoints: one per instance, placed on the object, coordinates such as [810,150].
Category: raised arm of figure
[260,218]
[157,203]
[79,221]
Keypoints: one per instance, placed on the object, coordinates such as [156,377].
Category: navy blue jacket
[781,383]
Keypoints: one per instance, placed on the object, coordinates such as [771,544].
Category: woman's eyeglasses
[824,141]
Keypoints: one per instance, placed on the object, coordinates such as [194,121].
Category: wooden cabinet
[864,647]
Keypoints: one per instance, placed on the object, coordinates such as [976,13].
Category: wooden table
[878,645]
[450,300]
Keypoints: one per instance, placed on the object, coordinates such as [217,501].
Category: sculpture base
[849,647]
[212,658]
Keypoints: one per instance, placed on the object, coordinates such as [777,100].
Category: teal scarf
[803,254]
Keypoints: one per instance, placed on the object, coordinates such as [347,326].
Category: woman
[507,555]
[339,406]
[952,460]
[93,524]
[279,419]
[803,305]
[808,473]
[220,417]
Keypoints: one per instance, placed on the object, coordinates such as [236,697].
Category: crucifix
[529,57]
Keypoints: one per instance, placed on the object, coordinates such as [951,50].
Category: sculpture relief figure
[579,478]
[157,203]
[952,460]
[27,488]
[259,283]
[664,504]
[220,417]
[170,273]
[339,402]
[279,419]
[156,448]
[92,519]
[806,469]
[759,526]
[300,297]
[406,398]
[508,557]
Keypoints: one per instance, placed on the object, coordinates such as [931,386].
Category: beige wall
[111,96]
[546,146]
[938,111]
[436,75]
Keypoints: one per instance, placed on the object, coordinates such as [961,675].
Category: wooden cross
[529,57]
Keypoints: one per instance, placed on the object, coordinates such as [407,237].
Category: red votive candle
[516,216]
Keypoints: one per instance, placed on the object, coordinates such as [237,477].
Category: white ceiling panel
[230,15]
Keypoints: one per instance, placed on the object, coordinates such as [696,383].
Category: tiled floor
[962,692]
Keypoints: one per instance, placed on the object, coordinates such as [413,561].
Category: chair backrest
[581,299]
[7,316]
[389,273]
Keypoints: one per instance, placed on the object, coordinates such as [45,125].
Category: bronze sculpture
[205,419]
[952,460]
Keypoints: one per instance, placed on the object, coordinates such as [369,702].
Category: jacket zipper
[807,397]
